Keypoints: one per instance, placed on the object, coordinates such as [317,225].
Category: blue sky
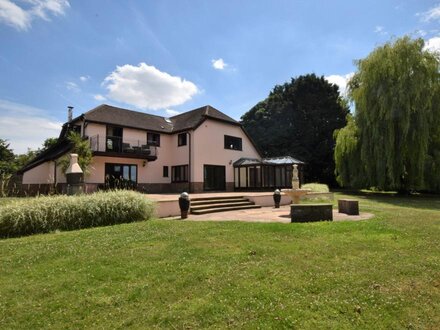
[166,57]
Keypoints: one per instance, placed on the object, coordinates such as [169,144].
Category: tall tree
[7,164]
[396,117]
[49,142]
[298,118]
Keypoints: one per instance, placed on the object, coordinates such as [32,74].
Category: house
[199,150]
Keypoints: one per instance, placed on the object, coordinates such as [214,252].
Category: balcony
[115,146]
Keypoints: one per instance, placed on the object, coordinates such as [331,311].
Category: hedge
[49,213]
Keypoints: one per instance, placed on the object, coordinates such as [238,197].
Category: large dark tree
[298,119]
[396,129]
[7,157]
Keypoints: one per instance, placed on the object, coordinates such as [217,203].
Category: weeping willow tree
[347,155]
[391,139]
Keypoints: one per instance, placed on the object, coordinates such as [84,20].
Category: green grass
[381,273]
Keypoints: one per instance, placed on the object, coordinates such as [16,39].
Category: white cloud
[71,86]
[172,112]
[146,87]
[21,16]
[84,78]
[25,126]
[219,64]
[99,97]
[432,14]
[341,81]
[380,30]
[13,15]
[433,44]
[421,33]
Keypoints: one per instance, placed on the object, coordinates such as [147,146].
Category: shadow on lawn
[417,201]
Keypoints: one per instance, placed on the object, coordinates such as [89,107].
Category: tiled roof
[118,116]
[286,160]
[52,153]
[191,119]
[129,118]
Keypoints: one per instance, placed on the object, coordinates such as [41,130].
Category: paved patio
[265,214]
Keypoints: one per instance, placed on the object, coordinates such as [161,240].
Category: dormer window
[233,143]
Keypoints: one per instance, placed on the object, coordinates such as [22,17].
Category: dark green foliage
[49,142]
[11,163]
[347,155]
[48,213]
[394,92]
[7,156]
[298,119]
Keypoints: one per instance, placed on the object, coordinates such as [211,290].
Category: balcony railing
[118,145]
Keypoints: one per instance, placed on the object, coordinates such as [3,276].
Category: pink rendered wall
[134,137]
[61,177]
[208,148]
[41,174]
[100,130]
[168,154]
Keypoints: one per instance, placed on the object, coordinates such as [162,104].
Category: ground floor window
[214,178]
[179,173]
[263,177]
[120,176]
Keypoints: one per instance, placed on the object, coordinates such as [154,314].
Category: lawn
[379,273]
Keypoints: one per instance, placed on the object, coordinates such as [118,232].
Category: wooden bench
[348,206]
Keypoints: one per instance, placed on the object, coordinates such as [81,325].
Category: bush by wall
[48,213]
[316,187]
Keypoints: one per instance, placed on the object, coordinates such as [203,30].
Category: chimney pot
[69,113]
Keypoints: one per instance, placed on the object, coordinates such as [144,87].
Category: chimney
[69,113]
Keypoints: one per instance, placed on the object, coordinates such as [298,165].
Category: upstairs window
[77,129]
[181,139]
[233,143]
[153,139]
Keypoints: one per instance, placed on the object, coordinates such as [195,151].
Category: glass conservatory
[265,174]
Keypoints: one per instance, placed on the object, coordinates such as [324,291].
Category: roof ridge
[125,109]
[193,110]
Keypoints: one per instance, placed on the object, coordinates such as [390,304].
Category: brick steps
[217,201]
[220,204]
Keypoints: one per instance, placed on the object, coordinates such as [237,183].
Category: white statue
[295,179]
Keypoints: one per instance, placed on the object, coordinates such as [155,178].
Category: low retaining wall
[167,208]
[267,199]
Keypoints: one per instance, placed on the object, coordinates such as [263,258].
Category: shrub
[316,187]
[48,213]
